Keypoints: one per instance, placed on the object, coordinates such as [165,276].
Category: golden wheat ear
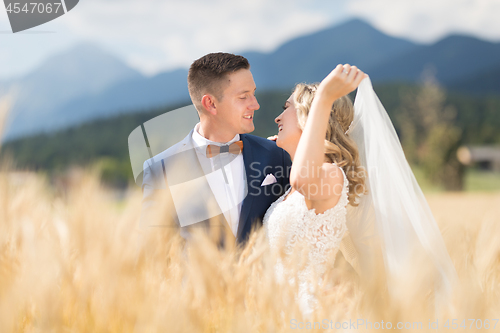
[5,103]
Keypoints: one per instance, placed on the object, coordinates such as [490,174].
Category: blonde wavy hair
[339,148]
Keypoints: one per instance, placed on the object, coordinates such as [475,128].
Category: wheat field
[75,260]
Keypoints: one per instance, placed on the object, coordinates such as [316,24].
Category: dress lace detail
[289,222]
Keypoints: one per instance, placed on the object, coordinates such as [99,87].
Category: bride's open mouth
[280,128]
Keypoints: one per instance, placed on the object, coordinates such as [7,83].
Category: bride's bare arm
[309,174]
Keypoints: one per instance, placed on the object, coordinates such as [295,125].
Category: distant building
[486,157]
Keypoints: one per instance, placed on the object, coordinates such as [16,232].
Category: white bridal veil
[394,213]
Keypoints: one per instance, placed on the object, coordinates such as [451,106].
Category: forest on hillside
[431,123]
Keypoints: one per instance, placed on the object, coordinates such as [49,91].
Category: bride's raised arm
[309,172]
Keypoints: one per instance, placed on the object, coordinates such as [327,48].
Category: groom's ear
[208,103]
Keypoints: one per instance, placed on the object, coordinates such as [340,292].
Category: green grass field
[475,181]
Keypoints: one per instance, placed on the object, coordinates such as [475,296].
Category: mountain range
[88,82]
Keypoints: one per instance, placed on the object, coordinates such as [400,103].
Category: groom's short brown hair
[207,74]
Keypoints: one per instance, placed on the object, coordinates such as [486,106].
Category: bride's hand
[340,82]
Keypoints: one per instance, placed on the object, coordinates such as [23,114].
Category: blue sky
[155,35]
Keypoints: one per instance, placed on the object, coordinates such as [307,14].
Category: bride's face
[289,131]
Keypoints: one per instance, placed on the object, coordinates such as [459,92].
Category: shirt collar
[201,142]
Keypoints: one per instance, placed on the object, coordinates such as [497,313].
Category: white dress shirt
[228,183]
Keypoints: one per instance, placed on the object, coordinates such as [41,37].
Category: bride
[351,188]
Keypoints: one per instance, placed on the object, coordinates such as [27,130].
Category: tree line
[430,121]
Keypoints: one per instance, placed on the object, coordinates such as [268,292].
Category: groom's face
[236,108]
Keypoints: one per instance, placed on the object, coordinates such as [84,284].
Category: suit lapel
[181,167]
[186,143]
[251,174]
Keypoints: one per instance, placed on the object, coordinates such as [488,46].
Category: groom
[218,177]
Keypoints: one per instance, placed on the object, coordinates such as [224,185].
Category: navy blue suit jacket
[261,157]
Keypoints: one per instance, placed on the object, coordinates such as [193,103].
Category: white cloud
[173,33]
[430,20]
[153,35]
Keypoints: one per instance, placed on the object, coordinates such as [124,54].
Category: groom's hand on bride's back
[343,80]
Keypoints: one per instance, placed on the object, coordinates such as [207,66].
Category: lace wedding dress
[393,218]
[289,222]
